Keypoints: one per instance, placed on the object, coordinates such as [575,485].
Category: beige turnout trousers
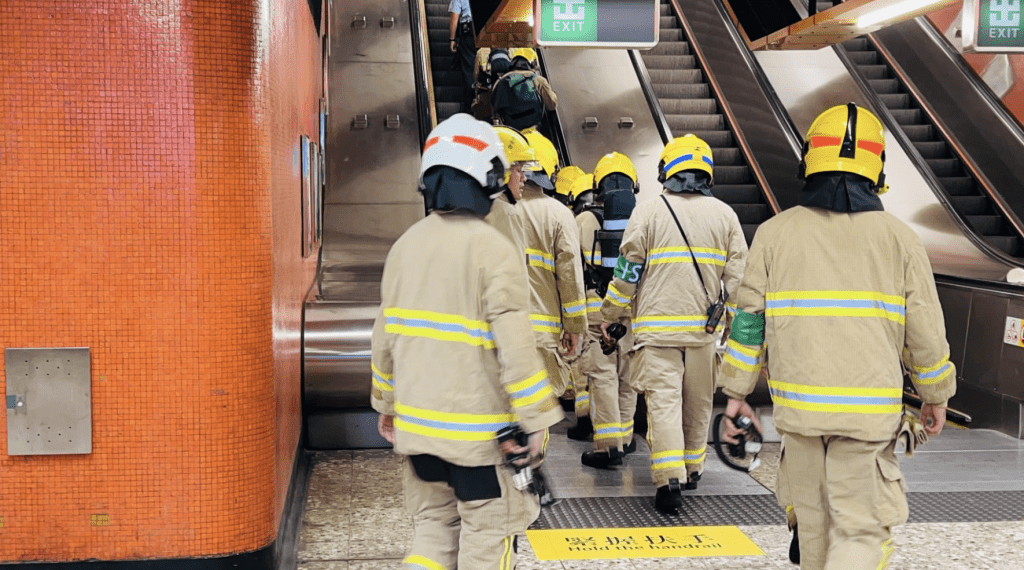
[612,399]
[678,384]
[468,535]
[557,368]
[847,495]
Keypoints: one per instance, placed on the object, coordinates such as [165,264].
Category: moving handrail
[427,110]
[652,98]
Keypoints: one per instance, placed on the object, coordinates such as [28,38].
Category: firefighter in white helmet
[680,255]
[840,296]
[454,361]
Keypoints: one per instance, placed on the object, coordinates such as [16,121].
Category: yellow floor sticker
[659,542]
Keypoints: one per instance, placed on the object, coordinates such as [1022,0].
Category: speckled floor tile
[331,565]
[615,564]
[379,564]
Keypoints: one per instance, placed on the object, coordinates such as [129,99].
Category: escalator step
[907,116]
[748,231]
[438,37]
[856,44]
[447,93]
[445,110]
[447,78]
[665,9]
[439,63]
[1008,244]
[690,123]
[918,132]
[668,22]
[945,166]
[670,35]
[713,138]
[863,57]
[675,76]
[885,85]
[895,100]
[689,107]
[683,91]
[727,156]
[958,185]
[670,48]
[437,10]
[732,174]
[932,149]
[874,71]
[987,225]
[737,193]
[437,22]
[970,205]
[751,213]
[670,61]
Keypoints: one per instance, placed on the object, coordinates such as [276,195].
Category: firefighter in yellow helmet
[503,214]
[451,267]
[840,297]
[564,183]
[612,401]
[680,257]
[554,270]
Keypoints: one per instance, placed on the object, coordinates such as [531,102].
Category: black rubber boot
[629,447]
[669,498]
[691,481]
[582,431]
[794,547]
[601,459]
[568,404]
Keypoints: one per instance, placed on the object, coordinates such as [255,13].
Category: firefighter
[612,400]
[838,293]
[558,299]
[564,182]
[677,253]
[503,214]
[453,361]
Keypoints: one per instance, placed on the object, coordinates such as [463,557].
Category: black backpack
[516,102]
[618,207]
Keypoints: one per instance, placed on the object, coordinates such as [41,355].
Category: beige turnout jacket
[453,356]
[655,267]
[506,219]
[844,299]
[557,298]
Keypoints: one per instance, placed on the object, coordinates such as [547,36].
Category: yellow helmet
[685,153]
[528,53]
[566,177]
[547,160]
[846,138]
[582,184]
[615,162]
[517,149]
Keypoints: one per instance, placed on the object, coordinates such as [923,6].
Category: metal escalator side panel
[808,82]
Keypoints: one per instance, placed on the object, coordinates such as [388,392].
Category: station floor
[966,503]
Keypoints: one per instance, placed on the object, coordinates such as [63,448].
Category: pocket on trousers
[894,511]
[637,369]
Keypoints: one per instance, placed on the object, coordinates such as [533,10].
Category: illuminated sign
[625,24]
[993,26]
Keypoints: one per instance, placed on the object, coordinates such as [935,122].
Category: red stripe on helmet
[431,143]
[475,144]
[820,141]
[872,147]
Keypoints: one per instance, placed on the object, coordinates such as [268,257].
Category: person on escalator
[462,43]
[840,296]
[445,396]
[680,256]
[520,97]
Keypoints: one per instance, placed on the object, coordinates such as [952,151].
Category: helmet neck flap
[692,181]
[843,192]
[447,189]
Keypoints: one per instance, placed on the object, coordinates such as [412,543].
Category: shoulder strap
[693,257]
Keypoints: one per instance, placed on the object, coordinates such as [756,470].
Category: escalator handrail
[652,98]
[427,110]
[730,118]
[890,123]
[552,118]
[957,148]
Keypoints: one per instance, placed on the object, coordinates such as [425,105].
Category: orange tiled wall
[1014,98]
[149,210]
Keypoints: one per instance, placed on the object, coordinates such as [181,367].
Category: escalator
[963,191]
[690,106]
[447,80]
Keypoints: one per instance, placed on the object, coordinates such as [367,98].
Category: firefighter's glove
[911,433]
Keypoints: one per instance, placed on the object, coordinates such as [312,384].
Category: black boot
[582,431]
[669,499]
[568,404]
[794,547]
[691,481]
[629,447]
[601,459]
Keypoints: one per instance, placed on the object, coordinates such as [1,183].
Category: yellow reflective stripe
[669,459]
[380,380]
[538,258]
[839,391]
[448,425]
[438,326]
[705,255]
[742,356]
[744,349]
[848,295]
[616,297]
[836,400]
[533,398]
[574,307]
[887,548]
[375,370]
[607,431]
[546,323]
[933,374]
[694,456]
[836,304]
[506,557]
[739,364]
[670,323]
[417,562]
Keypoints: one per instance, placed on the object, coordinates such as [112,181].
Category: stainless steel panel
[357,33]
[602,83]
[375,164]
[336,345]
[956,311]
[360,235]
[49,401]
[808,82]
[344,429]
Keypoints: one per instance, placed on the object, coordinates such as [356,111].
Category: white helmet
[469,145]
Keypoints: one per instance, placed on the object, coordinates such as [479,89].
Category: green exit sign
[993,26]
[626,24]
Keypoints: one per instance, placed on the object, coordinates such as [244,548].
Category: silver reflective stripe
[615,225]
